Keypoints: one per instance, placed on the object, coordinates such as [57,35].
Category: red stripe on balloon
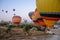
[50,18]
[41,22]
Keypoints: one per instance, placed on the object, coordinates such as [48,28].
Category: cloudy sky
[22,7]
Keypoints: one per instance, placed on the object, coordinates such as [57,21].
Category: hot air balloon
[16,20]
[31,15]
[2,10]
[38,21]
[6,11]
[49,10]
[13,9]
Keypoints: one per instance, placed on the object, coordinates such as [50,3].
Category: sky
[22,9]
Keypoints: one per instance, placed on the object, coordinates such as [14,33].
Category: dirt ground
[20,34]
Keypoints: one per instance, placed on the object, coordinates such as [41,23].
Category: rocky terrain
[20,34]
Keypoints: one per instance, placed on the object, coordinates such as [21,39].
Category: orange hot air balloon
[16,20]
[49,10]
[38,21]
[38,18]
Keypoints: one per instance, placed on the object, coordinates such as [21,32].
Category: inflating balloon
[16,20]
[38,21]
[30,14]
[49,10]
[33,18]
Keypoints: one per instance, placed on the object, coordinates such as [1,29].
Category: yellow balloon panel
[50,23]
[48,5]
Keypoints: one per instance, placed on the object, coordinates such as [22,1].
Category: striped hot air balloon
[16,20]
[38,21]
[49,10]
[31,14]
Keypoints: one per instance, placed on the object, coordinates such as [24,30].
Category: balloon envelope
[38,21]
[48,5]
[16,20]
[49,10]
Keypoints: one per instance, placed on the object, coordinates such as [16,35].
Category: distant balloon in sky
[16,20]
[6,11]
[14,14]
[13,9]
[2,10]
